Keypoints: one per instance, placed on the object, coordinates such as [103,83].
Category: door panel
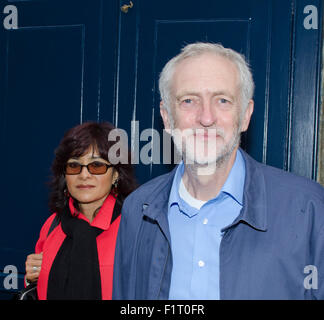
[48,99]
[305,91]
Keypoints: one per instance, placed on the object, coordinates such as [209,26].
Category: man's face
[206,109]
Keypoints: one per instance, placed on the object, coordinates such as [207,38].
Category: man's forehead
[199,72]
[204,58]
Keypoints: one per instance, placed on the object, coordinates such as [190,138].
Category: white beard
[205,153]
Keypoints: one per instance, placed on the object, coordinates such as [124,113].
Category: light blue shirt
[196,235]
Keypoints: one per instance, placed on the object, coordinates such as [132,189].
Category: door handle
[125,7]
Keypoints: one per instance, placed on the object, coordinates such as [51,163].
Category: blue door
[78,60]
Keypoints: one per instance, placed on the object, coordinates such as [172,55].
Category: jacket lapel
[254,210]
[156,207]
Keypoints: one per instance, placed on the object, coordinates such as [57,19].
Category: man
[220,225]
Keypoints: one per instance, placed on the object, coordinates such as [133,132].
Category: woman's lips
[85,186]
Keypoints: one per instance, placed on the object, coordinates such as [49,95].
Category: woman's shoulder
[44,232]
[49,221]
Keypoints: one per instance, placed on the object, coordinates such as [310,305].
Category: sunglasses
[95,167]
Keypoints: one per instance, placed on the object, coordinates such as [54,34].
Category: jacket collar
[254,208]
[156,205]
[103,219]
[254,198]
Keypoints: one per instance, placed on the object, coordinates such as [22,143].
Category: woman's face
[89,188]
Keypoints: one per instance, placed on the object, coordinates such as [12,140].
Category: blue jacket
[273,250]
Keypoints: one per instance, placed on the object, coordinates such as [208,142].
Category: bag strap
[56,221]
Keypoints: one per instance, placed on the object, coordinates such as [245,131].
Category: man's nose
[206,115]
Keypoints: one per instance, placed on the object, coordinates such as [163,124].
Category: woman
[75,259]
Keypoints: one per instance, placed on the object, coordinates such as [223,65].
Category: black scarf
[75,273]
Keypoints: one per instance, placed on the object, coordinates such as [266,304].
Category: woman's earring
[115,184]
[66,193]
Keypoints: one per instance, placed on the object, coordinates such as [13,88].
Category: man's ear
[165,117]
[247,116]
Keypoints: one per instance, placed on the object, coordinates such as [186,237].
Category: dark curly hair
[75,143]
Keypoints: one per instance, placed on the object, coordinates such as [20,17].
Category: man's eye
[189,102]
[222,100]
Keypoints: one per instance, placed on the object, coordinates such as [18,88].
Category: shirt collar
[233,185]
[174,193]
[175,198]
[103,217]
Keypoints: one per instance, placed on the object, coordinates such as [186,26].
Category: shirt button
[205,221]
[201,263]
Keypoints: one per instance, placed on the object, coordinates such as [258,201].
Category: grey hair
[196,49]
